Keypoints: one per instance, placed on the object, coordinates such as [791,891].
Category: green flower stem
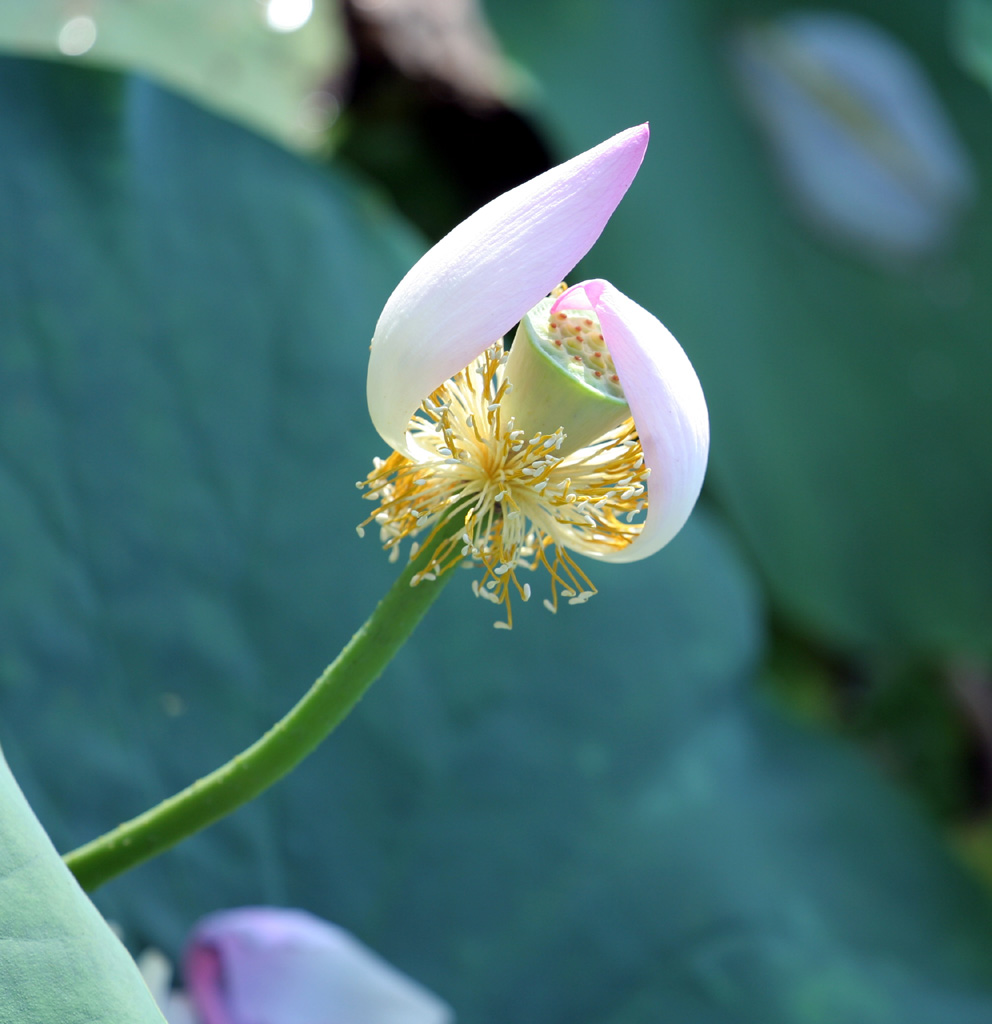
[252,771]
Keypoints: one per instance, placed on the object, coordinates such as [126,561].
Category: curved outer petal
[666,402]
[264,965]
[482,277]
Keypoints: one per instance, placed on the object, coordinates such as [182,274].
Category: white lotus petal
[482,277]
[667,405]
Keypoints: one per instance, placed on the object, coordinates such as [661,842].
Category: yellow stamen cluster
[513,497]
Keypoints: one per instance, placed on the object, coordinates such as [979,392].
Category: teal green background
[600,816]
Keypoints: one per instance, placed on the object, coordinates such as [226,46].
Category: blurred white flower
[157,971]
[268,965]
[861,138]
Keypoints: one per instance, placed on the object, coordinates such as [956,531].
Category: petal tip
[635,140]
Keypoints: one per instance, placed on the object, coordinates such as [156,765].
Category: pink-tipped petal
[264,965]
[667,404]
[574,298]
[481,278]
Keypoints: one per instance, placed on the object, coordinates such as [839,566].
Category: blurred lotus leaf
[60,960]
[266,63]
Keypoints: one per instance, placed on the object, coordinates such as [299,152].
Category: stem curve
[280,749]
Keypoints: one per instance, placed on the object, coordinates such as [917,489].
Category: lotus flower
[589,435]
[265,965]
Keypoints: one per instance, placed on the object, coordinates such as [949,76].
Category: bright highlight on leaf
[590,435]
[288,15]
[77,36]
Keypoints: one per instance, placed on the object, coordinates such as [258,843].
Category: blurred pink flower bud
[266,965]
